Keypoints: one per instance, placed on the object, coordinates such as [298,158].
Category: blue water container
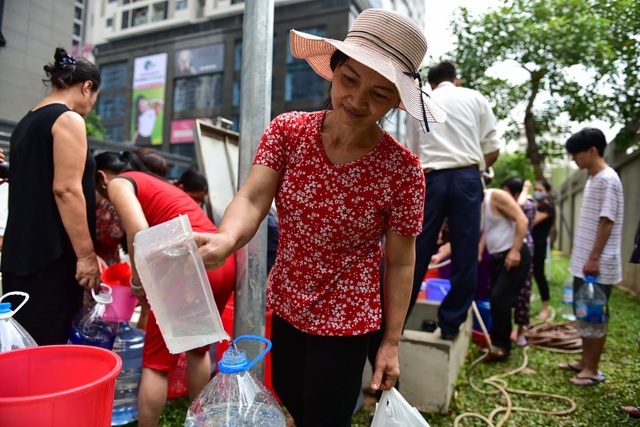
[484,307]
[128,345]
[437,289]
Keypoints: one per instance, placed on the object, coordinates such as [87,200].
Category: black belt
[429,170]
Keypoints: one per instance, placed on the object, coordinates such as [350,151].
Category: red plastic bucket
[58,385]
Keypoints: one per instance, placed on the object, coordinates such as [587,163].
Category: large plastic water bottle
[235,397]
[128,345]
[12,335]
[96,323]
[591,303]
[566,310]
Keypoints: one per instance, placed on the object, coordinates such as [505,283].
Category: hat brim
[317,52]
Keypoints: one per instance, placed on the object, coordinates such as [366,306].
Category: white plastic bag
[393,410]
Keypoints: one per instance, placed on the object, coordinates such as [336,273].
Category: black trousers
[539,257]
[505,287]
[318,378]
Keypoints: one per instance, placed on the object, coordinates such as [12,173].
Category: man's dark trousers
[454,194]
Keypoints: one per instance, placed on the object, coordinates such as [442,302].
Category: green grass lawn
[595,406]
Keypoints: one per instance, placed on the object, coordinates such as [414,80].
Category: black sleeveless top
[35,236]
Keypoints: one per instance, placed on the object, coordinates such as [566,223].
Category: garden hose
[501,386]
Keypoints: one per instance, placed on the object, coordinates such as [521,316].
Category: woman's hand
[88,272]
[387,367]
[214,249]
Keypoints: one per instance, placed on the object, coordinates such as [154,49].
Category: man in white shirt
[452,155]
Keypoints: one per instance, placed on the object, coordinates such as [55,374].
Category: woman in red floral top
[341,184]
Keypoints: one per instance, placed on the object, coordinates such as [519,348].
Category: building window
[125,1]
[182,4]
[237,1]
[112,106]
[113,1]
[198,92]
[159,12]
[140,16]
[76,29]
[114,76]
[77,13]
[125,19]
[301,82]
[109,22]
[115,133]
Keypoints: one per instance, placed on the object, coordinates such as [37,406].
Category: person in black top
[544,220]
[49,240]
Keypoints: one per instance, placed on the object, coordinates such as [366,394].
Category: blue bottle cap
[233,360]
[591,279]
[5,307]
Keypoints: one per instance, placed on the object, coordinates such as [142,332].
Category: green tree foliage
[553,41]
[512,164]
[95,128]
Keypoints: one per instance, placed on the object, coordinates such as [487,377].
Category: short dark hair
[153,160]
[545,184]
[514,185]
[67,71]
[443,72]
[193,180]
[585,139]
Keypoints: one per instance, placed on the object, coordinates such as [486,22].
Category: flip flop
[592,380]
[568,367]
[632,411]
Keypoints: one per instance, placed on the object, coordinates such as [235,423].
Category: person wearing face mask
[542,224]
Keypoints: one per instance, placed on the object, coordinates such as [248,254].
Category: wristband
[134,286]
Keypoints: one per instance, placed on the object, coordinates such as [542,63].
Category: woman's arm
[69,157]
[399,265]
[122,196]
[241,218]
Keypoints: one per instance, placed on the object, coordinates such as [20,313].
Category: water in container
[12,335]
[128,345]
[566,310]
[177,287]
[591,309]
[96,323]
[235,397]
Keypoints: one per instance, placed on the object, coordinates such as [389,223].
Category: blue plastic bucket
[484,307]
[437,289]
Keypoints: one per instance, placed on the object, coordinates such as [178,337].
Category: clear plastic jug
[96,323]
[591,310]
[175,281]
[12,335]
[235,397]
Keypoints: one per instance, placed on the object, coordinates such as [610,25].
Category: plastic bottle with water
[235,397]
[128,345]
[12,335]
[591,312]
[566,310]
[96,323]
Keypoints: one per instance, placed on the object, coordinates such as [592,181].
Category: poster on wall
[199,60]
[147,112]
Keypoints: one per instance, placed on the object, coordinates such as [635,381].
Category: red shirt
[326,277]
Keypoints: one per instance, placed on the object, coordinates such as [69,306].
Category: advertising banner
[147,111]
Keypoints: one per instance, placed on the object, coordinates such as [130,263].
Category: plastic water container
[484,308]
[12,335]
[566,310]
[58,385]
[591,310]
[96,323]
[235,397]
[128,345]
[118,276]
[177,287]
[437,289]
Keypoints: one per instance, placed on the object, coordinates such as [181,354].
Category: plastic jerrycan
[12,335]
[235,397]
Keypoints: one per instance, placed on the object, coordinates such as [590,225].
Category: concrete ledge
[429,366]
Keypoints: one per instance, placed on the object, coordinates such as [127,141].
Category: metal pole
[255,114]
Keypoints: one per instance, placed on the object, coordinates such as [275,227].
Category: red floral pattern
[332,218]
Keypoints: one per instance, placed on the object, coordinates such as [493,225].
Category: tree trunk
[533,153]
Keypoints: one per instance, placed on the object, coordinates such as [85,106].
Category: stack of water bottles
[591,309]
[12,335]
[128,345]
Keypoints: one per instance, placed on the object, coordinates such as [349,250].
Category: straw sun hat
[388,43]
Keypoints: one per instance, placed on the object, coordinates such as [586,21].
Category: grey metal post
[255,114]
